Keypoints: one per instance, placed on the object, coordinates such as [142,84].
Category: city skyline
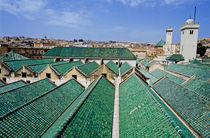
[102,20]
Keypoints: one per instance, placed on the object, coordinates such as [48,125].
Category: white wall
[188,47]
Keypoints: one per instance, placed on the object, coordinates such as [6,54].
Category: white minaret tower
[168,44]
[189,37]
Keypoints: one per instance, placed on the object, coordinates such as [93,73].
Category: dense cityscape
[117,88]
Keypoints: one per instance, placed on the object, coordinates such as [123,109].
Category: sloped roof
[137,109]
[89,52]
[12,56]
[124,68]
[11,86]
[88,68]
[189,70]
[148,75]
[64,68]
[160,73]
[175,57]
[189,105]
[15,98]
[94,116]
[17,64]
[39,67]
[160,43]
[112,66]
[199,86]
[195,61]
[138,60]
[40,113]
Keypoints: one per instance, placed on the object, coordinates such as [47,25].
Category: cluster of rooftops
[172,101]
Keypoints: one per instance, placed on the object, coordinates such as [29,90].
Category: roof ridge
[72,112]
[23,86]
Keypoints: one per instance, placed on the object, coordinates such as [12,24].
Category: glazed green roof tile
[124,68]
[11,86]
[147,59]
[17,64]
[139,115]
[151,63]
[206,60]
[189,105]
[175,57]
[160,73]
[61,122]
[148,75]
[138,60]
[189,70]
[12,56]
[199,86]
[39,67]
[160,43]
[34,118]
[112,66]
[15,98]
[84,52]
[195,61]
[64,68]
[88,68]
[94,117]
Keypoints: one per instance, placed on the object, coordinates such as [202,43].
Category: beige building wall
[80,77]
[54,77]
[103,69]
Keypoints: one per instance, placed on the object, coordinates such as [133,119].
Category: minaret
[189,37]
[167,46]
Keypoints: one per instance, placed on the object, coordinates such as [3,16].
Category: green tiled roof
[206,60]
[160,73]
[64,68]
[189,105]
[195,61]
[139,115]
[148,75]
[12,56]
[15,98]
[94,117]
[151,63]
[61,122]
[11,86]
[83,52]
[160,43]
[199,86]
[88,68]
[39,67]
[189,70]
[147,62]
[138,60]
[124,68]
[17,64]
[175,57]
[112,66]
[34,118]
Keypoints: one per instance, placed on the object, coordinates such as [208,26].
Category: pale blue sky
[102,20]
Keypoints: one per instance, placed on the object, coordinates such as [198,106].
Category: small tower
[189,37]
[168,44]
[169,33]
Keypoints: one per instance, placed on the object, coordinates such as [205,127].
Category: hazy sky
[102,20]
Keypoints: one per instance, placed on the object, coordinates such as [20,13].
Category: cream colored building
[189,37]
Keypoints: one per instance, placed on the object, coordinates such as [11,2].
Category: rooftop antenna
[194,13]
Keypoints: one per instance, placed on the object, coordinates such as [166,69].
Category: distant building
[87,54]
[189,37]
